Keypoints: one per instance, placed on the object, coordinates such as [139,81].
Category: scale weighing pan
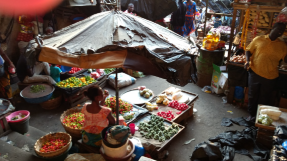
[133,96]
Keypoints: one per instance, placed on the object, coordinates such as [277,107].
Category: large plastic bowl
[25,112]
[35,99]
[65,68]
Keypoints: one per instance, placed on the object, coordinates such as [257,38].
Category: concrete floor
[205,123]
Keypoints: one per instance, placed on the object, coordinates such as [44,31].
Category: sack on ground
[123,80]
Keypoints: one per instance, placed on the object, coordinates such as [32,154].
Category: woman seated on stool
[97,117]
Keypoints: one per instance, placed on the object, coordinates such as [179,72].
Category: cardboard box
[223,80]
[215,80]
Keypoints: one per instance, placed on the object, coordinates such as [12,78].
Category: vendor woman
[263,55]
[97,117]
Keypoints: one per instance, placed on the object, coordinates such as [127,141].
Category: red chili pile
[74,70]
[53,145]
[178,106]
[167,115]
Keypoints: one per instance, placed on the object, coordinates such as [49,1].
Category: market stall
[256,20]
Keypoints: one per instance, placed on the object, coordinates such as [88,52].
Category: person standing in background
[191,10]
[130,9]
[178,18]
[263,55]
[55,73]
[5,89]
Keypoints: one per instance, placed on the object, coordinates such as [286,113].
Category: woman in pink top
[97,117]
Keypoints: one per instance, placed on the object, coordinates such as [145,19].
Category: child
[97,117]
[55,72]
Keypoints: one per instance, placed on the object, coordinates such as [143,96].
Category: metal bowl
[38,97]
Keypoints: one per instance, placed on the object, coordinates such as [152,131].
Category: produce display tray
[184,114]
[138,111]
[282,120]
[133,96]
[159,145]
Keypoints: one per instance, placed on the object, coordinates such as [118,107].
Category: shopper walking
[178,18]
[191,10]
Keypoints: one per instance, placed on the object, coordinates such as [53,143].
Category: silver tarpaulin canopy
[115,39]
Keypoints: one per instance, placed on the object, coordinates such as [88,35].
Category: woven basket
[43,139]
[53,103]
[75,133]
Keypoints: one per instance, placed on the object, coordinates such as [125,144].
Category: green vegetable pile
[155,129]
[37,88]
[265,120]
[130,116]
[109,70]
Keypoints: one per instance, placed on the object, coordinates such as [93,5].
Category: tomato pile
[123,106]
[74,121]
[74,70]
[53,145]
[167,115]
[178,106]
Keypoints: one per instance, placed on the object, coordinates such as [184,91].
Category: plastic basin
[25,112]
[35,99]
[65,68]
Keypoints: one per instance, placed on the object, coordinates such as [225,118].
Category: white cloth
[38,68]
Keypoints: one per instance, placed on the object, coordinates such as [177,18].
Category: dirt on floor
[205,123]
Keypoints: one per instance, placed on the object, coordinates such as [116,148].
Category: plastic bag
[207,89]
[282,17]
[123,80]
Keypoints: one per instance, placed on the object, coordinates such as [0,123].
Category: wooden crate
[281,121]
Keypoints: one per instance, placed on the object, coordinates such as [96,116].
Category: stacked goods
[273,112]
[178,106]
[211,41]
[155,129]
[177,95]
[76,82]
[263,20]
[238,59]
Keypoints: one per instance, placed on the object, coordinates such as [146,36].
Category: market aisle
[204,124]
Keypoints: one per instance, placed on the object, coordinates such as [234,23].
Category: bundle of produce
[123,106]
[37,88]
[145,92]
[273,112]
[151,107]
[155,129]
[178,106]
[167,115]
[75,70]
[265,120]
[162,98]
[75,120]
[76,82]
[238,59]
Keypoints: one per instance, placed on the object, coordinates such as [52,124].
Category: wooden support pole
[232,32]
[205,18]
